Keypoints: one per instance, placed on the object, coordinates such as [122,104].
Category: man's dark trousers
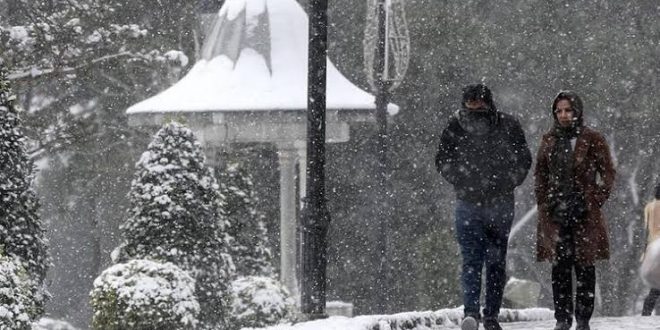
[482,231]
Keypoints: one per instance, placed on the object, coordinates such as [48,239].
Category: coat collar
[581,146]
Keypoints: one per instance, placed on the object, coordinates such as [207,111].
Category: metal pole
[315,215]
[382,99]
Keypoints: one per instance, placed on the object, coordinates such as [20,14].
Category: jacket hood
[576,104]
[478,92]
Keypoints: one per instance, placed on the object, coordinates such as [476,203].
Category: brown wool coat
[594,175]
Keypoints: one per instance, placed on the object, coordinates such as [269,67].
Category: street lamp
[386,56]
[315,215]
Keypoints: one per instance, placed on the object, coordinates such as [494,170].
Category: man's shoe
[563,325]
[470,323]
[490,323]
[583,325]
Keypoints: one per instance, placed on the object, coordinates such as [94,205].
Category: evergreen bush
[260,301]
[17,304]
[21,233]
[144,295]
[176,216]
[249,250]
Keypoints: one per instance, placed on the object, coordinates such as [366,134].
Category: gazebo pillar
[288,157]
[301,147]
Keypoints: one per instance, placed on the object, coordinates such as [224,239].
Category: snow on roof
[255,59]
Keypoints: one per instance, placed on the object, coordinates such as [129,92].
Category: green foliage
[78,65]
[17,296]
[176,216]
[21,232]
[144,295]
[260,302]
[250,249]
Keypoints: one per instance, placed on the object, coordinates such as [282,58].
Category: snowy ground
[608,323]
[366,323]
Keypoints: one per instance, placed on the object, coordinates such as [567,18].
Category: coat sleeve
[541,177]
[605,168]
[447,160]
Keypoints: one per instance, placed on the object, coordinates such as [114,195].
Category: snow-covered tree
[17,304]
[260,301]
[77,65]
[250,250]
[144,295]
[176,216]
[21,233]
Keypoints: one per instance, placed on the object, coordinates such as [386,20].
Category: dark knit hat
[478,92]
[574,100]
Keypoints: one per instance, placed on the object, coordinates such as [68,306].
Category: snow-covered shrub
[17,304]
[249,250]
[144,294]
[46,323]
[260,301]
[175,216]
[21,233]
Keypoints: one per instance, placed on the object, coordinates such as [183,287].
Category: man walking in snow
[574,176]
[484,155]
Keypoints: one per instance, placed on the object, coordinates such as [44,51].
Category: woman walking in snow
[652,223]
[574,176]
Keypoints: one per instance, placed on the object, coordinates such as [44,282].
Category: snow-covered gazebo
[250,85]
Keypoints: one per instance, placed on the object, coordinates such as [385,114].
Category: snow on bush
[17,308]
[176,216]
[249,250]
[260,301]
[50,324]
[143,294]
[21,232]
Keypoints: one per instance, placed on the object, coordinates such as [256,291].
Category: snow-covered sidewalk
[602,323]
[537,319]
[430,320]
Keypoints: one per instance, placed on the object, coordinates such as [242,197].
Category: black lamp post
[382,207]
[315,216]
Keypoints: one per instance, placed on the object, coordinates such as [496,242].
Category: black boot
[470,322]
[582,325]
[649,302]
[563,325]
[490,323]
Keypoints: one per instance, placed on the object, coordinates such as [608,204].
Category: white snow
[430,320]
[370,322]
[51,324]
[149,289]
[219,84]
[606,323]
[260,301]
[19,34]
[177,56]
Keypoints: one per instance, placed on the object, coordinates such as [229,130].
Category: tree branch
[36,73]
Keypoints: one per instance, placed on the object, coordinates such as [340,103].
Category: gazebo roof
[255,59]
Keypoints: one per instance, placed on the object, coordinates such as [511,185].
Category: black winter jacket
[483,168]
